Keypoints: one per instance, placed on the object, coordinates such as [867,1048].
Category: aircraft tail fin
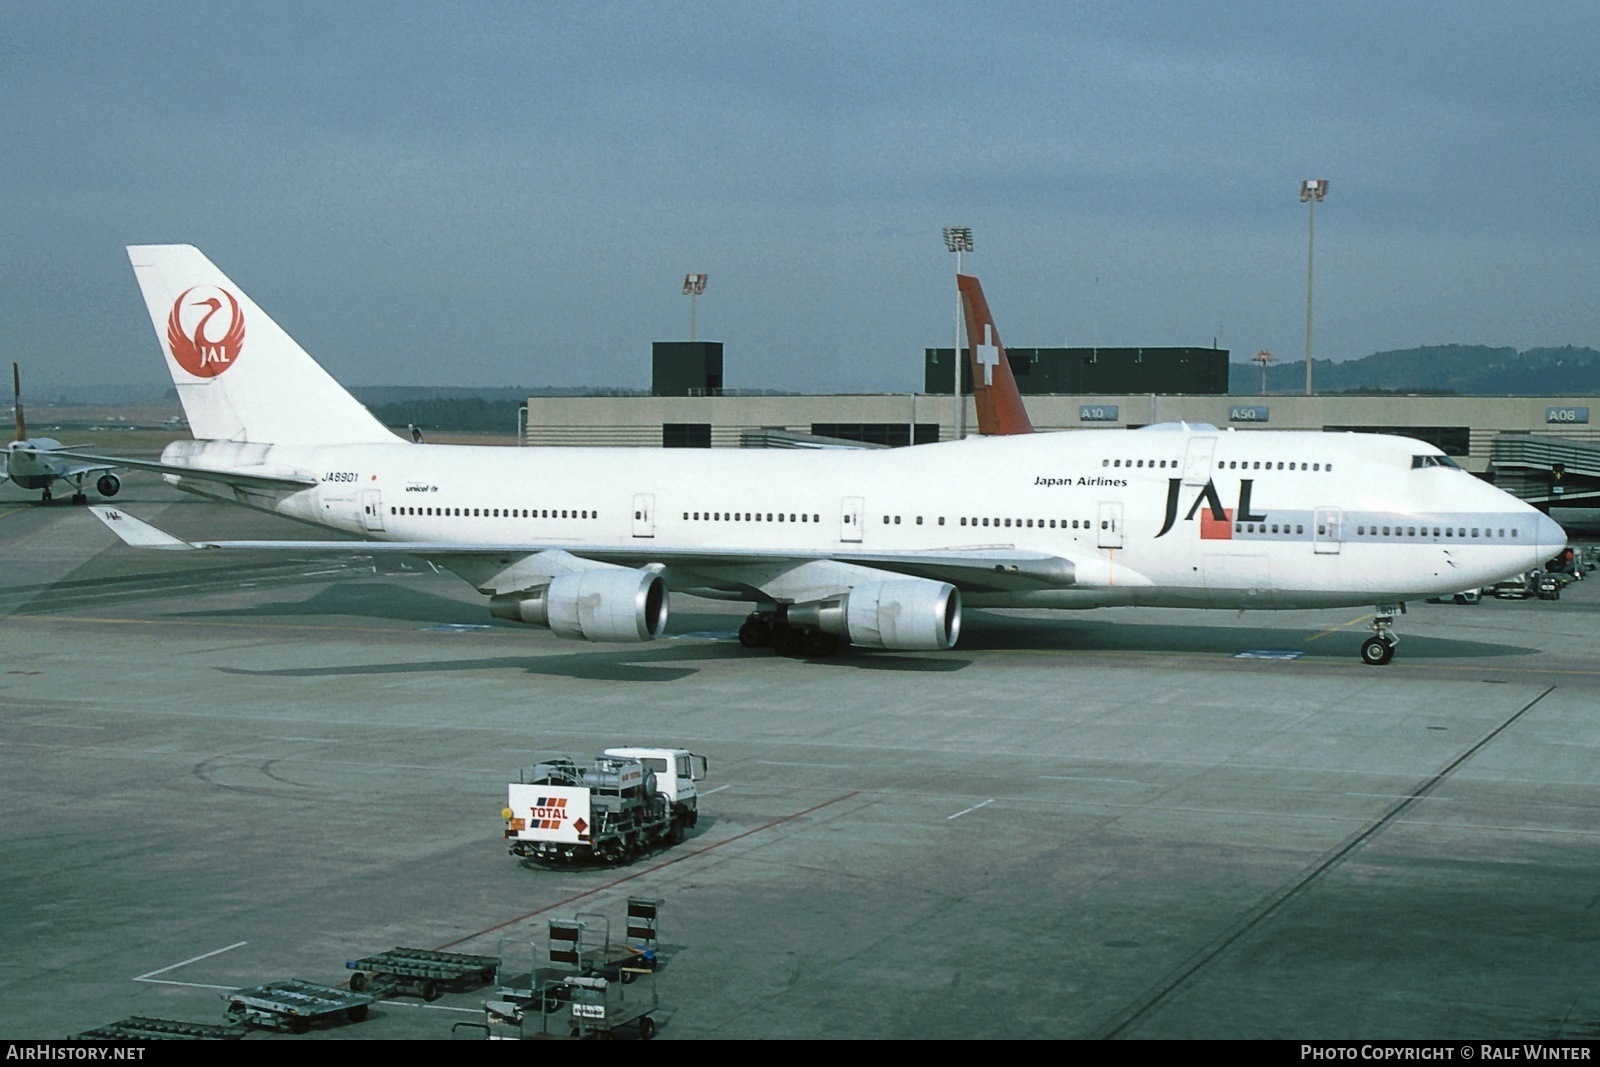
[994,388]
[239,376]
[16,395]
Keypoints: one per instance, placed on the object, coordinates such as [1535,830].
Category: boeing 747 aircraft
[880,548]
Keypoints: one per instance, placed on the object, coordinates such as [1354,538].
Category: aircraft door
[372,509]
[1110,535]
[1327,530]
[644,514]
[1197,460]
[850,524]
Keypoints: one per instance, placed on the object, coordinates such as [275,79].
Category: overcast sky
[499,194]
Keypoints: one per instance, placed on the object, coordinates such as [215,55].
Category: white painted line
[1075,778]
[708,792]
[149,976]
[398,1003]
[826,766]
[968,811]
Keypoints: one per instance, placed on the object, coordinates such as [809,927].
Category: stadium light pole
[958,239]
[693,286]
[1312,190]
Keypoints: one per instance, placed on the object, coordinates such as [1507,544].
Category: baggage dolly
[419,972]
[143,1028]
[293,1005]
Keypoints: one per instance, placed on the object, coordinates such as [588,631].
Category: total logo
[548,812]
[205,330]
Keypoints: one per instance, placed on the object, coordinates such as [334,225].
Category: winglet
[135,532]
[994,389]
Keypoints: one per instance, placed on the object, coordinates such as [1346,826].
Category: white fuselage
[1175,517]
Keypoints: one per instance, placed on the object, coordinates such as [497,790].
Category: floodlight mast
[1263,357]
[1312,190]
[958,239]
[693,286]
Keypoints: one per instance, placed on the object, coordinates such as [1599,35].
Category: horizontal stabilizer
[137,533]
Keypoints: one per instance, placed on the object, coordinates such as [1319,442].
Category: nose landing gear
[1379,648]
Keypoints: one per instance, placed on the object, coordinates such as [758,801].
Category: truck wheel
[676,835]
[430,990]
[298,1025]
[358,982]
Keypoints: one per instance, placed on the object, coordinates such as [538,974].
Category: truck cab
[676,770]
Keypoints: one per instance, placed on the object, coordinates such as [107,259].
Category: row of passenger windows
[748,516]
[497,513]
[1380,531]
[1232,464]
[1422,531]
[1039,524]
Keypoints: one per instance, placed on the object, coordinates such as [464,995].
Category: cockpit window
[1433,461]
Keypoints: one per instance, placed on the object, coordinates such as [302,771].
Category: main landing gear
[1379,648]
[765,629]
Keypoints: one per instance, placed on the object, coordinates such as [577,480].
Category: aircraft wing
[264,478]
[501,568]
[82,467]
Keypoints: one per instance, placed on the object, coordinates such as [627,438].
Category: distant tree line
[1436,370]
[452,413]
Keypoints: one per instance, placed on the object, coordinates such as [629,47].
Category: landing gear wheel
[818,644]
[46,497]
[788,641]
[80,498]
[1376,651]
[756,632]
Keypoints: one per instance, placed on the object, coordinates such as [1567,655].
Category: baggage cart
[294,1005]
[419,972]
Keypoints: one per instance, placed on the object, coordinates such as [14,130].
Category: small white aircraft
[878,547]
[40,462]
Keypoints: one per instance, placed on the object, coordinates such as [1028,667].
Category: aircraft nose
[1550,536]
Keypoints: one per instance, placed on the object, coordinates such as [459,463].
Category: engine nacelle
[613,604]
[108,485]
[904,613]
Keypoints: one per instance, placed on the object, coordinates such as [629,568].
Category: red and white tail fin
[16,396]
[994,389]
[239,375]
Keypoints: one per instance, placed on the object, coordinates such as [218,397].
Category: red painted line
[648,870]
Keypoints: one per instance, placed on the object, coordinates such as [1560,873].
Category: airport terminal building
[1543,448]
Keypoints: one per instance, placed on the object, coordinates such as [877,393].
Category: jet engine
[613,604]
[903,613]
[108,485]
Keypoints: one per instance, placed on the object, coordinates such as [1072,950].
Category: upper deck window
[1418,462]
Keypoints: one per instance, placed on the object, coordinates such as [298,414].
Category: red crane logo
[202,348]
